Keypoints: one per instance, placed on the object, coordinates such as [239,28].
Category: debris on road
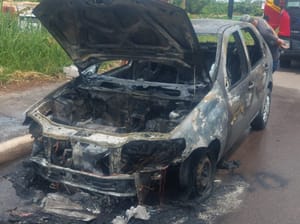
[58,204]
[139,212]
[228,200]
[39,203]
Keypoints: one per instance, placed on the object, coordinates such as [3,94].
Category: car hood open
[95,30]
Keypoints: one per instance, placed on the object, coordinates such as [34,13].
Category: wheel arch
[213,149]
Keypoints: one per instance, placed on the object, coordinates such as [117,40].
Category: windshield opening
[150,71]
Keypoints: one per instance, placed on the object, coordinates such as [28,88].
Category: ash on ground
[45,202]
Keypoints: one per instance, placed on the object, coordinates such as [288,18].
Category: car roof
[214,26]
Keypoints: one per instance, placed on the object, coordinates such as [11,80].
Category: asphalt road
[264,190]
[14,104]
[270,161]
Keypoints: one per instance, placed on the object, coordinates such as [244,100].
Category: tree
[192,6]
[195,6]
[215,10]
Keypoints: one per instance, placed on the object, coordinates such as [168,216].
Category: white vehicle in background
[27,20]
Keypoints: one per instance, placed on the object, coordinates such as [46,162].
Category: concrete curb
[15,148]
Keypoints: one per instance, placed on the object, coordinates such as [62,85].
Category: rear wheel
[197,176]
[261,120]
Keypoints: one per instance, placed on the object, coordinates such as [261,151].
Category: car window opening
[253,46]
[236,63]
[233,65]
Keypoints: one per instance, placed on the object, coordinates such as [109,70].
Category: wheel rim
[266,108]
[204,177]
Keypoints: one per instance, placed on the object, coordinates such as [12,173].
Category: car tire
[197,177]
[285,63]
[261,119]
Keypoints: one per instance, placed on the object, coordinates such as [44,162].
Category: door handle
[251,85]
[266,67]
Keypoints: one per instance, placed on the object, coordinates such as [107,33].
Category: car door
[239,85]
[256,52]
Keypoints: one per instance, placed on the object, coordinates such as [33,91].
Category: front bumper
[122,185]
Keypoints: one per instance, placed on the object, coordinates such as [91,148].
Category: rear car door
[239,84]
[257,56]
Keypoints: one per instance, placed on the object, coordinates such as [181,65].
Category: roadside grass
[28,50]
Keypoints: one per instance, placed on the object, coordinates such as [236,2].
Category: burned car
[181,96]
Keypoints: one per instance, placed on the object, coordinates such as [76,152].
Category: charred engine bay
[132,98]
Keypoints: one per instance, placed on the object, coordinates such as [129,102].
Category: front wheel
[197,176]
[261,120]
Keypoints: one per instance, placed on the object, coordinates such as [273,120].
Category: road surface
[270,161]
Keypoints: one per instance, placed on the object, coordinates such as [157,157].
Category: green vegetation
[208,38]
[26,50]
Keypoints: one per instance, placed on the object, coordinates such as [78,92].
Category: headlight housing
[139,155]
